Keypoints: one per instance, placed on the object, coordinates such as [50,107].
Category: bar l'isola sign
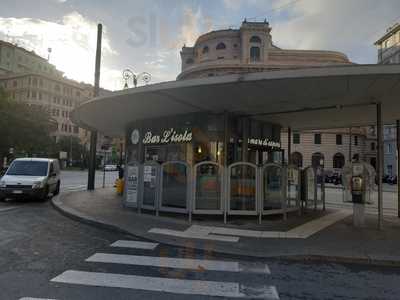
[167,136]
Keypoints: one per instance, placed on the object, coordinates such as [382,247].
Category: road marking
[226,234]
[184,234]
[308,229]
[8,208]
[135,244]
[180,263]
[169,285]
[30,298]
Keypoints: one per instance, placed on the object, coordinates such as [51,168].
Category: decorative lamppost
[128,74]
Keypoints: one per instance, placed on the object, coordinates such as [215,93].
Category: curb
[76,216]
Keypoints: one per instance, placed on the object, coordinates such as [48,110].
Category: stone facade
[15,59]
[56,94]
[389,53]
[248,49]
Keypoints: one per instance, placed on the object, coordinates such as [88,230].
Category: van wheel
[57,190]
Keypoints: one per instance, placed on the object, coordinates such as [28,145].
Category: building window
[255,54]
[34,82]
[338,161]
[388,148]
[296,138]
[220,46]
[255,39]
[355,140]
[389,170]
[33,94]
[40,96]
[297,159]
[205,49]
[317,139]
[76,129]
[339,139]
[15,83]
[189,61]
[317,160]
[372,146]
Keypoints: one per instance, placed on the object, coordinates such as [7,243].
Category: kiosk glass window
[272,187]
[150,179]
[208,187]
[243,188]
[174,185]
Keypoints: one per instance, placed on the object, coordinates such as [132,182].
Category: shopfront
[203,163]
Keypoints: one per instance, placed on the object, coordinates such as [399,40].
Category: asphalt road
[38,245]
[77,180]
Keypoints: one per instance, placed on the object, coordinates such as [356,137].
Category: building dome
[245,50]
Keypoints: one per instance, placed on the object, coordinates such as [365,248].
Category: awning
[314,98]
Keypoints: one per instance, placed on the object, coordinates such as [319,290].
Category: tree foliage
[25,128]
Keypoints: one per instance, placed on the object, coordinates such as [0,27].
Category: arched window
[189,61]
[221,46]
[317,160]
[255,54]
[297,159]
[338,161]
[205,49]
[255,39]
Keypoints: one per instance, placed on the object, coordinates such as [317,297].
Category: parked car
[31,177]
[110,168]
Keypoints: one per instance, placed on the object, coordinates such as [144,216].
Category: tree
[25,128]
[72,144]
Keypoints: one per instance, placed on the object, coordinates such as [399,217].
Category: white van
[33,177]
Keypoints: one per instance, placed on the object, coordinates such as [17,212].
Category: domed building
[245,50]
[251,49]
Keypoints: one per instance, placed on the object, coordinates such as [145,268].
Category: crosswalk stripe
[135,244]
[180,263]
[30,298]
[169,285]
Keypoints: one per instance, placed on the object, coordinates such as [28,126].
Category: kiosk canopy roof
[314,98]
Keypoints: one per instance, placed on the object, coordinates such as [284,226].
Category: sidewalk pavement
[324,236]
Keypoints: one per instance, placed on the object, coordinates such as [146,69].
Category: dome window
[205,49]
[221,46]
[255,39]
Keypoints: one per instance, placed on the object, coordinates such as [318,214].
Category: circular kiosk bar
[212,145]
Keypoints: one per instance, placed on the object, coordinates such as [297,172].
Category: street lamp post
[128,74]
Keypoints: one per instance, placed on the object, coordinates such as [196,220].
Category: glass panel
[272,187]
[150,179]
[293,181]
[208,187]
[243,188]
[174,186]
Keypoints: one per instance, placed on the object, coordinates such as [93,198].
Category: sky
[147,35]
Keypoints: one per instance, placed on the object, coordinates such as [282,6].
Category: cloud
[347,26]
[72,40]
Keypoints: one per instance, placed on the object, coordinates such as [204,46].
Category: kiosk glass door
[208,182]
[242,180]
[174,193]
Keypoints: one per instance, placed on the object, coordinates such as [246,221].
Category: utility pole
[93,133]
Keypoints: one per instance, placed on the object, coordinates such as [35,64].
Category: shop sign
[168,136]
[264,142]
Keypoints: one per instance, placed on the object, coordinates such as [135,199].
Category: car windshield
[28,168]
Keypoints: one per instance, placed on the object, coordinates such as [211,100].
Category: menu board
[132,184]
